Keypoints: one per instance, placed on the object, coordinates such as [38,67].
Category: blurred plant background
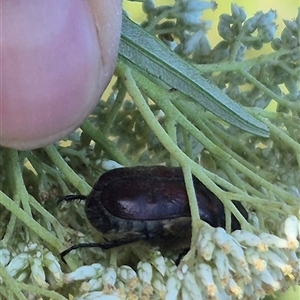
[254,58]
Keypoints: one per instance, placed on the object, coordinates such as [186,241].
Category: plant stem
[108,145]
[17,185]
[39,291]
[71,176]
[29,221]
[194,208]
[11,284]
[111,116]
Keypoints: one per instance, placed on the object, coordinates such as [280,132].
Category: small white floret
[109,277]
[291,227]
[52,264]
[172,288]
[144,271]
[18,264]
[38,273]
[84,272]
[273,240]
[4,257]
[204,272]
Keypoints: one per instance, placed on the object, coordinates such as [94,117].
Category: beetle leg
[105,245]
[181,255]
[69,198]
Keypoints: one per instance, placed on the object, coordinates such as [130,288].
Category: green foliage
[146,122]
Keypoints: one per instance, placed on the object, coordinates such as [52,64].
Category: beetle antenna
[69,198]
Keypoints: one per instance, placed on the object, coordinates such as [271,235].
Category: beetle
[150,204]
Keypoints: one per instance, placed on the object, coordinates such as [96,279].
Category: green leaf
[150,55]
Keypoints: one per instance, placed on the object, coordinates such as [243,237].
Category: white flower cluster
[241,265]
[40,267]
[147,282]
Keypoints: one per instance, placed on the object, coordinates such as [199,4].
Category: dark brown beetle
[148,203]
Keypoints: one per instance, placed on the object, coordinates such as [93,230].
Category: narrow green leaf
[149,54]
